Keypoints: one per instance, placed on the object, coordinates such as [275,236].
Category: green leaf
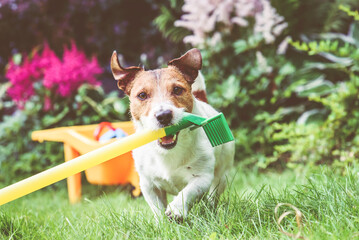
[121,106]
[49,120]
[17,58]
[240,46]
[317,87]
[345,61]
[354,32]
[312,116]
[231,86]
[287,69]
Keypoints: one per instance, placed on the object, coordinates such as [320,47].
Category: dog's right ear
[123,75]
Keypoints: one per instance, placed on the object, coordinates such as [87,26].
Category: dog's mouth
[168,142]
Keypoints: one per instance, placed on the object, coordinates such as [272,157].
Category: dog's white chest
[167,173]
[172,181]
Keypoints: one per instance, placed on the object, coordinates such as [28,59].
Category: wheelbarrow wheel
[135,193]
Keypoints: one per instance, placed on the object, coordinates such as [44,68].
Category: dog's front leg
[155,198]
[197,186]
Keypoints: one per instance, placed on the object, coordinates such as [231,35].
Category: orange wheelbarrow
[80,140]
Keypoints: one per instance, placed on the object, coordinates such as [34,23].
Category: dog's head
[159,97]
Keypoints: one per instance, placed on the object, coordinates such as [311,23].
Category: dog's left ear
[189,64]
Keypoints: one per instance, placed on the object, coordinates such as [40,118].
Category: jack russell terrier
[184,164]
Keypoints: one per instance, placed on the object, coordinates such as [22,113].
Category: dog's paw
[173,217]
[176,213]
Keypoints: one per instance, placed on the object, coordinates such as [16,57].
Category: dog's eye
[142,96]
[178,90]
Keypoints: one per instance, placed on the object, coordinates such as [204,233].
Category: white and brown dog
[185,164]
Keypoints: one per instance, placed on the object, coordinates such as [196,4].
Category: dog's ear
[188,64]
[123,75]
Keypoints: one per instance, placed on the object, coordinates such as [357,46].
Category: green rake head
[216,128]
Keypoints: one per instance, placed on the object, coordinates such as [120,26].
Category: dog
[185,164]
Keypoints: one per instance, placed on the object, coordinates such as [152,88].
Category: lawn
[328,201]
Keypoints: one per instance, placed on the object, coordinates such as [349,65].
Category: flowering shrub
[50,92]
[202,17]
[252,76]
[327,132]
[22,82]
[60,77]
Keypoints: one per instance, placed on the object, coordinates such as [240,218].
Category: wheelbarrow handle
[78,164]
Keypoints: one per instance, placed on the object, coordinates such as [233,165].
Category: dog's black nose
[164,117]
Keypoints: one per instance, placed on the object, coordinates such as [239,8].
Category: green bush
[47,91]
[258,85]
[245,76]
[329,133]
[20,157]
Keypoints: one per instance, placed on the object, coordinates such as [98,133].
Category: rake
[216,129]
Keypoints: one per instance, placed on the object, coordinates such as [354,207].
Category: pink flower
[47,104]
[62,77]
[21,79]
[68,75]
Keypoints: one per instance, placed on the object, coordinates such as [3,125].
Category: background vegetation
[285,73]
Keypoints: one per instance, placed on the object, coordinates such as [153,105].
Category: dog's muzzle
[164,119]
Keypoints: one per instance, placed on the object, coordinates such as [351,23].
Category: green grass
[328,201]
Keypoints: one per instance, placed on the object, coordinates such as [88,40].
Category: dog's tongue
[167,139]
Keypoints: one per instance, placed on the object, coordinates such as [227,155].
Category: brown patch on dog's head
[201,95]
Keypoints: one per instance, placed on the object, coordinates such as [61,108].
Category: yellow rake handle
[78,164]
